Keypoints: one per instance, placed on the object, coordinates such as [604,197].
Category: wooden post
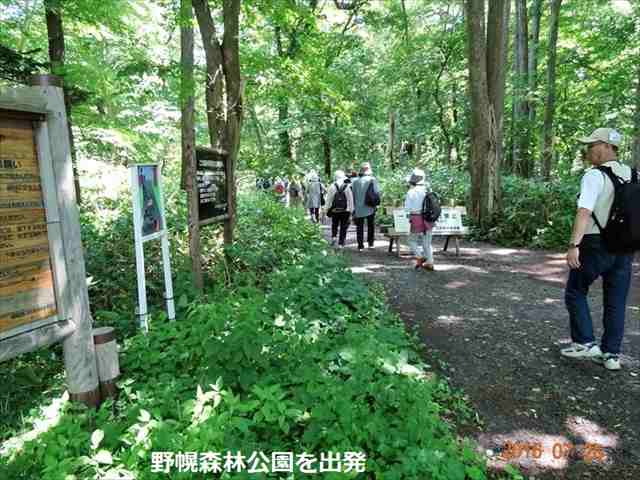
[104,339]
[79,350]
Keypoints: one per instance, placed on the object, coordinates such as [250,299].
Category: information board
[450,221]
[149,223]
[401,221]
[212,185]
[27,291]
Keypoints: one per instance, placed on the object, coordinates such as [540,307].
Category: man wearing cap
[588,259]
[363,211]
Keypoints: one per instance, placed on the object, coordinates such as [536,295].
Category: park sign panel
[212,185]
[149,223]
[43,280]
[27,285]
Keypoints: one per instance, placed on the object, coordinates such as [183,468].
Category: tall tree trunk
[520,141]
[550,105]
[286,152]
[392,137]
[636,125]
[326,150]
[55,32]
[442,114]
[534,42]
[187,98]
[258,128]
[223,83]
[487,58]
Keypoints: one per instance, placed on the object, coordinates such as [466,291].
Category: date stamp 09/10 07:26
[591,452]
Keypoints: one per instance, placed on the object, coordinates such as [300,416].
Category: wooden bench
[442,228]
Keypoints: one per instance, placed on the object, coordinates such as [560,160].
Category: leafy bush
[535,213]
[300,357]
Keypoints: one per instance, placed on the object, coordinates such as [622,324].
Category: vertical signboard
[27,294]
[212,185]
[149,223]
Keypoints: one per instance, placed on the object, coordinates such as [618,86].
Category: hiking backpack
[340,199]
[431,207]
[622,231]
[371,197]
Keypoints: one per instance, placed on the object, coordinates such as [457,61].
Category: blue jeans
[615,270]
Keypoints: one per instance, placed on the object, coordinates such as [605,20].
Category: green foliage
[536,213]
[301,357]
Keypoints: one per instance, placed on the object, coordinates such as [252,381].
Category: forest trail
[493,321]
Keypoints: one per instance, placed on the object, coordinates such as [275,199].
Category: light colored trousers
[425,249]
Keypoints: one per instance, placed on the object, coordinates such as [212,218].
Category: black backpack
[622,232]
[371,198]
[431,207]
[340,199]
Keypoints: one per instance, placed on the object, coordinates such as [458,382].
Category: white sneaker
[610,361]
[579,350]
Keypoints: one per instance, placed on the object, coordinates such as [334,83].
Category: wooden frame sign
[212,185]
[149,223]
[32,264]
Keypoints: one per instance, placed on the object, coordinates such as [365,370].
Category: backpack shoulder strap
[616,180]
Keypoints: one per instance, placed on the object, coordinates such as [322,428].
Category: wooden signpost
[43,288]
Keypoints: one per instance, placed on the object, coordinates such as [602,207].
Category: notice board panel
[26,280]
[212,184]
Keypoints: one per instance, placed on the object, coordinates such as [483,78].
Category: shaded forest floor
[492,321]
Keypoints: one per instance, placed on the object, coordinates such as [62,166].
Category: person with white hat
[588,258]
[313,193]
[420,229]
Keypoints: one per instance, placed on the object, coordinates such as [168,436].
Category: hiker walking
[340,205]
[313,192]
[281,191]
[592,253]
[421,230]
[295,192]
[366,196]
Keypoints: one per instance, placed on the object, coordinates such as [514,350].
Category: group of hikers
[356,196]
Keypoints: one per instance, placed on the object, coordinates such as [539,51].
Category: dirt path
[493,320]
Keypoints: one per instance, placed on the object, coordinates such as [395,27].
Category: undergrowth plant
[287,352]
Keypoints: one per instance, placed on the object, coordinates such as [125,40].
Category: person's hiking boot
[611,361]
[419,262]
[428,266]
[580,350]
[334,241]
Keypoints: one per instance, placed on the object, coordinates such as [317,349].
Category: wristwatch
[574,245]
